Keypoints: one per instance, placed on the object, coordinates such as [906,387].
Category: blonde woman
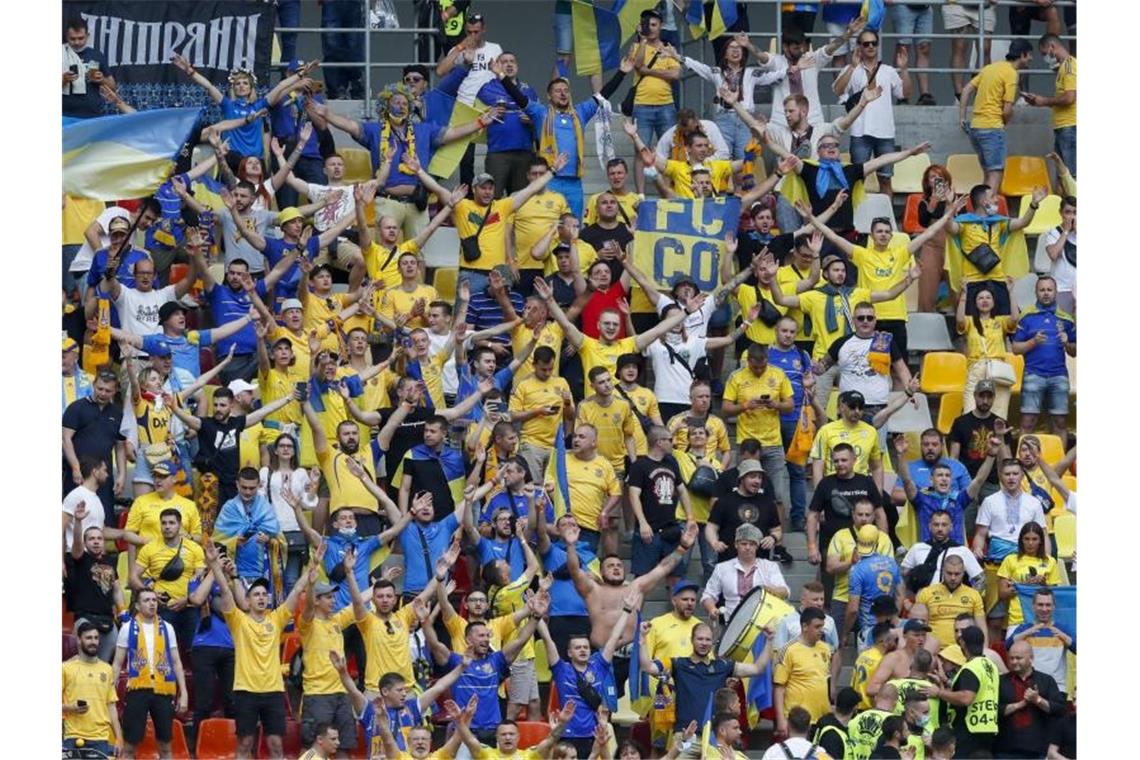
[986,348]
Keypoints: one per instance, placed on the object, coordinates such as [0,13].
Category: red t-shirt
[598,303]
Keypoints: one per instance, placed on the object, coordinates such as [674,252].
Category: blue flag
[1065,611]
[758,689]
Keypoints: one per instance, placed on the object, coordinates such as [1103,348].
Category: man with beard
[951,596]
[92,428]
[923,561]
[617,172]
[942,495]
[899,662]
[671,633]
[969,442]
[604,600]
[834,499]
[93,594]
[89,711]
[803,67]
[803,667]
[1045,335]
[218,436]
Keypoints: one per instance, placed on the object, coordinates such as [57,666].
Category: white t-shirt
[479,72]
[711,130]
[878,118]
[856,373]
[83,259]
[336,210]
[95,512]
[1063,272]
[671,381]
[991,514]
[450,374]
[138,311]
[271,487]
[124,637]
[696,323]
[797,746]
[920,551]
[809,65]
[753,77]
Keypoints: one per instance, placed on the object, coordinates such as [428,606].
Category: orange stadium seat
[910,223]
[217,738]
[531,732]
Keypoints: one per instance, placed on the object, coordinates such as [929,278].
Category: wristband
[627,609]
[1034,205]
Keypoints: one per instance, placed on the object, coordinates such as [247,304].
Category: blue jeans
[476,278]
[653,121]
[105,747]
[1045,394]
[571,189]
[342,47]
[907,21]
[644,557]
[866,147]
[1065,143]
[989,144]
[288,14]
[797,483]
[735,133]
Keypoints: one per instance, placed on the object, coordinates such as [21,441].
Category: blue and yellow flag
[873,11]
[556,473]
[445,160]
[599,33]
[684,238]
[758,689]
[124,156]
[1065,600]
[722,17]
[708,738]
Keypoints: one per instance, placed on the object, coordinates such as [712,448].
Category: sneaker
[926,99]
[782,555]
[798,526]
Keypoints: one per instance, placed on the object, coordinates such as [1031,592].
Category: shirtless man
[604,600]
[897,664]
[919,613]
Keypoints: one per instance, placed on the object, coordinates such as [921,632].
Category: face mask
[672,337]
[922,721]
[348,533]
[991,208]
[1051,61]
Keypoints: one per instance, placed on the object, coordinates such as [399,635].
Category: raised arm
[184,66]
[629,603]
[323,116]
[582,580]
[839,242]
[666,566]
[642,341]
[522,196]
[1023,221]
[893,158]
[575,336]
[649,157]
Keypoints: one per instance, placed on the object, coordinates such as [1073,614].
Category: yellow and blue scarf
[142,674]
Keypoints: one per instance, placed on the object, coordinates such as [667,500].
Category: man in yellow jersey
[851,429]
[883,641]
[970,702]
[840,553]
[408,297]
[951,596]
[996,88]
[1064,99]
[540,402]
[830,306]
[535,324]
[143,517]
[671,633]
[89,712]
[566,233]
[700,404]
[626,201]
[166,564]
[788,628]
[532,221]
[148,646]
[613,419]
[698,152]
[594,488]
[259,689]
[757,395]
[320,306]
[642,400]
[802,668]
[381,257]
[604,350]
[654,107]
[325,701]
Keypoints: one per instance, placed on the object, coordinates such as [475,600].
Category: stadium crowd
[361,508]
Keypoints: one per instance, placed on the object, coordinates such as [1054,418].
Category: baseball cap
[263,582]
[294,65]
[1018,48]
[289,214]
[167,310]
[561,249]
[291,303]
[160,348]
[162,468]
[482,179]
[119,223]
[984,386]
[627,359]
[830,259]
[747,467]
[686,280]
[649,13]
[320,588]
[867,540]
[240,386]
[852,399]
[915,626]
[69,344]
[748,532]
[683,585]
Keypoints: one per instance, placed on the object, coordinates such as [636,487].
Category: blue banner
[684,238]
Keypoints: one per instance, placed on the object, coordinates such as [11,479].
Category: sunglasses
[869,43]
[413,78]
[864,317]
[828,145]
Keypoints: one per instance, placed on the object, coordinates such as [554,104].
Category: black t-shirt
[562,291]
[218,447]
[658,482]
[844,219]
[886,752]
[427,475]
[967,681]
[735,509]
[90,103]
[972,435]
[410,433]
[725,482]
[831,742]
[596,236]
[96,429]
[835,500]
[752,242]
[90,585]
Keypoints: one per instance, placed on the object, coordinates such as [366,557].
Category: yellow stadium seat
[908,174]
[965,172]
[1023,174]
[357,164]
[1047,217]
[444,282]
[949,409]
[1052,449]
[1017,361]
[943,372]
[1065,534]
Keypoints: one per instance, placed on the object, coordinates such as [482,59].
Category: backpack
[788,753]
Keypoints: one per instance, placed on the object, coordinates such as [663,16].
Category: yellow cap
[867,540]
[954,654]
[288,215]
[69,344]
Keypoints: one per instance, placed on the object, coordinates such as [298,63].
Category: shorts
[563,33]
[264,707]
[989,144]
[95,745]
[956,18]
[908,21]
[837,30]
[143,702]
[654,121]
[142,472]
[523,686]
[1048,394]
[866,147]
[333,709]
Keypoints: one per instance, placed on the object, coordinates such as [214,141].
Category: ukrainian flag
[449,112]
[722,17]
[758,689]
[556,473]
[873,11]
[124,156]
[599,33]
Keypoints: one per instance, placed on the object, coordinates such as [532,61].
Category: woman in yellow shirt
[696,452]
[1030,565]
[986,347]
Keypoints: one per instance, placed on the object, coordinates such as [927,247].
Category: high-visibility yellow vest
[981,715]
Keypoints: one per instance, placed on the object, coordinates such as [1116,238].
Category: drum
[755,611]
